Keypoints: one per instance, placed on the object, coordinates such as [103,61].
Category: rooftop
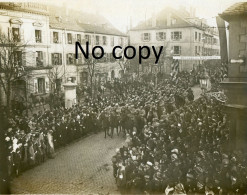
[183,19]
[28,7]
[238,9]
[63,18]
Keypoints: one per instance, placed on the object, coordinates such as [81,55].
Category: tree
[91,67]
[55,74]
[12,65]
[124,65]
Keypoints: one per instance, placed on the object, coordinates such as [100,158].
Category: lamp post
[204,80]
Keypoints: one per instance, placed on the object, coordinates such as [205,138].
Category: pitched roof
[182,15]
[80,21]
[238,9]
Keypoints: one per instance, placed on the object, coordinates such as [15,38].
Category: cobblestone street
[82,167]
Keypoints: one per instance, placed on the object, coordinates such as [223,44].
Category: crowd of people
[184,152]
[174,144]
[31,140]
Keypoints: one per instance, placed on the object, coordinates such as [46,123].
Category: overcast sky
[118,12]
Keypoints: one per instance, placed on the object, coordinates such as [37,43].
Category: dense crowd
[31,140]
[184,152]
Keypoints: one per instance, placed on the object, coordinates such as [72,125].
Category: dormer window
[174,21]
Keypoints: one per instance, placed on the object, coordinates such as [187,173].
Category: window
[88,39]
[17,58]
[195,50]
[56,59]
[146,36]
[55,37]
[160,36]
[195,36]
[39,58]
[199,49]
[112,41]
[176,35]
[78,38]
[215,41]
[97,40]
[199,37]
[104,40]
[174,21]
[38,36]
[16,34]
[69,38]
[41,85]
[177,50]
[70,58]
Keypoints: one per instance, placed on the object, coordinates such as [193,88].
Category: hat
[188,175]
[174,151]
[149,163]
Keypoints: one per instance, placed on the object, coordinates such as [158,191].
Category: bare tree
[55,74]
[12,65]
[91,66]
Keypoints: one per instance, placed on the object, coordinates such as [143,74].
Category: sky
[120,12]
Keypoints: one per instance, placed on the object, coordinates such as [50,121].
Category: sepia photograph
[134,97]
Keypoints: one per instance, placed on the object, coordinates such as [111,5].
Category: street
[82,167]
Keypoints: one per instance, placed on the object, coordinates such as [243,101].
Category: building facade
[179,32]
[49,35]
[235,86]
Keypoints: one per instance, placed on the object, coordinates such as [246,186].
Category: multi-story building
[235,86]
[179,32]
[49,35]
[28,25]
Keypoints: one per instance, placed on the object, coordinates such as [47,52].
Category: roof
[28,7]
[182,15]
[61,18]
[238,9]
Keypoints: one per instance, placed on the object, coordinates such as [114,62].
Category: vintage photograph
[123,97]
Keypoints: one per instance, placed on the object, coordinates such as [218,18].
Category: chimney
[66,8]
[154,20]
[131,22]
[169,19]
[192,12]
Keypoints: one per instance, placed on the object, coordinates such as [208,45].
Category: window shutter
[35,85]
[51,37]
[43,37]
[47,87]
[60,59]
[32,58]
[10,33]
[23,58]
[22,35]
[52,59]
[80,58]
[67,59]
[44,59]
[73,38]
[74,60]
[60,37]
